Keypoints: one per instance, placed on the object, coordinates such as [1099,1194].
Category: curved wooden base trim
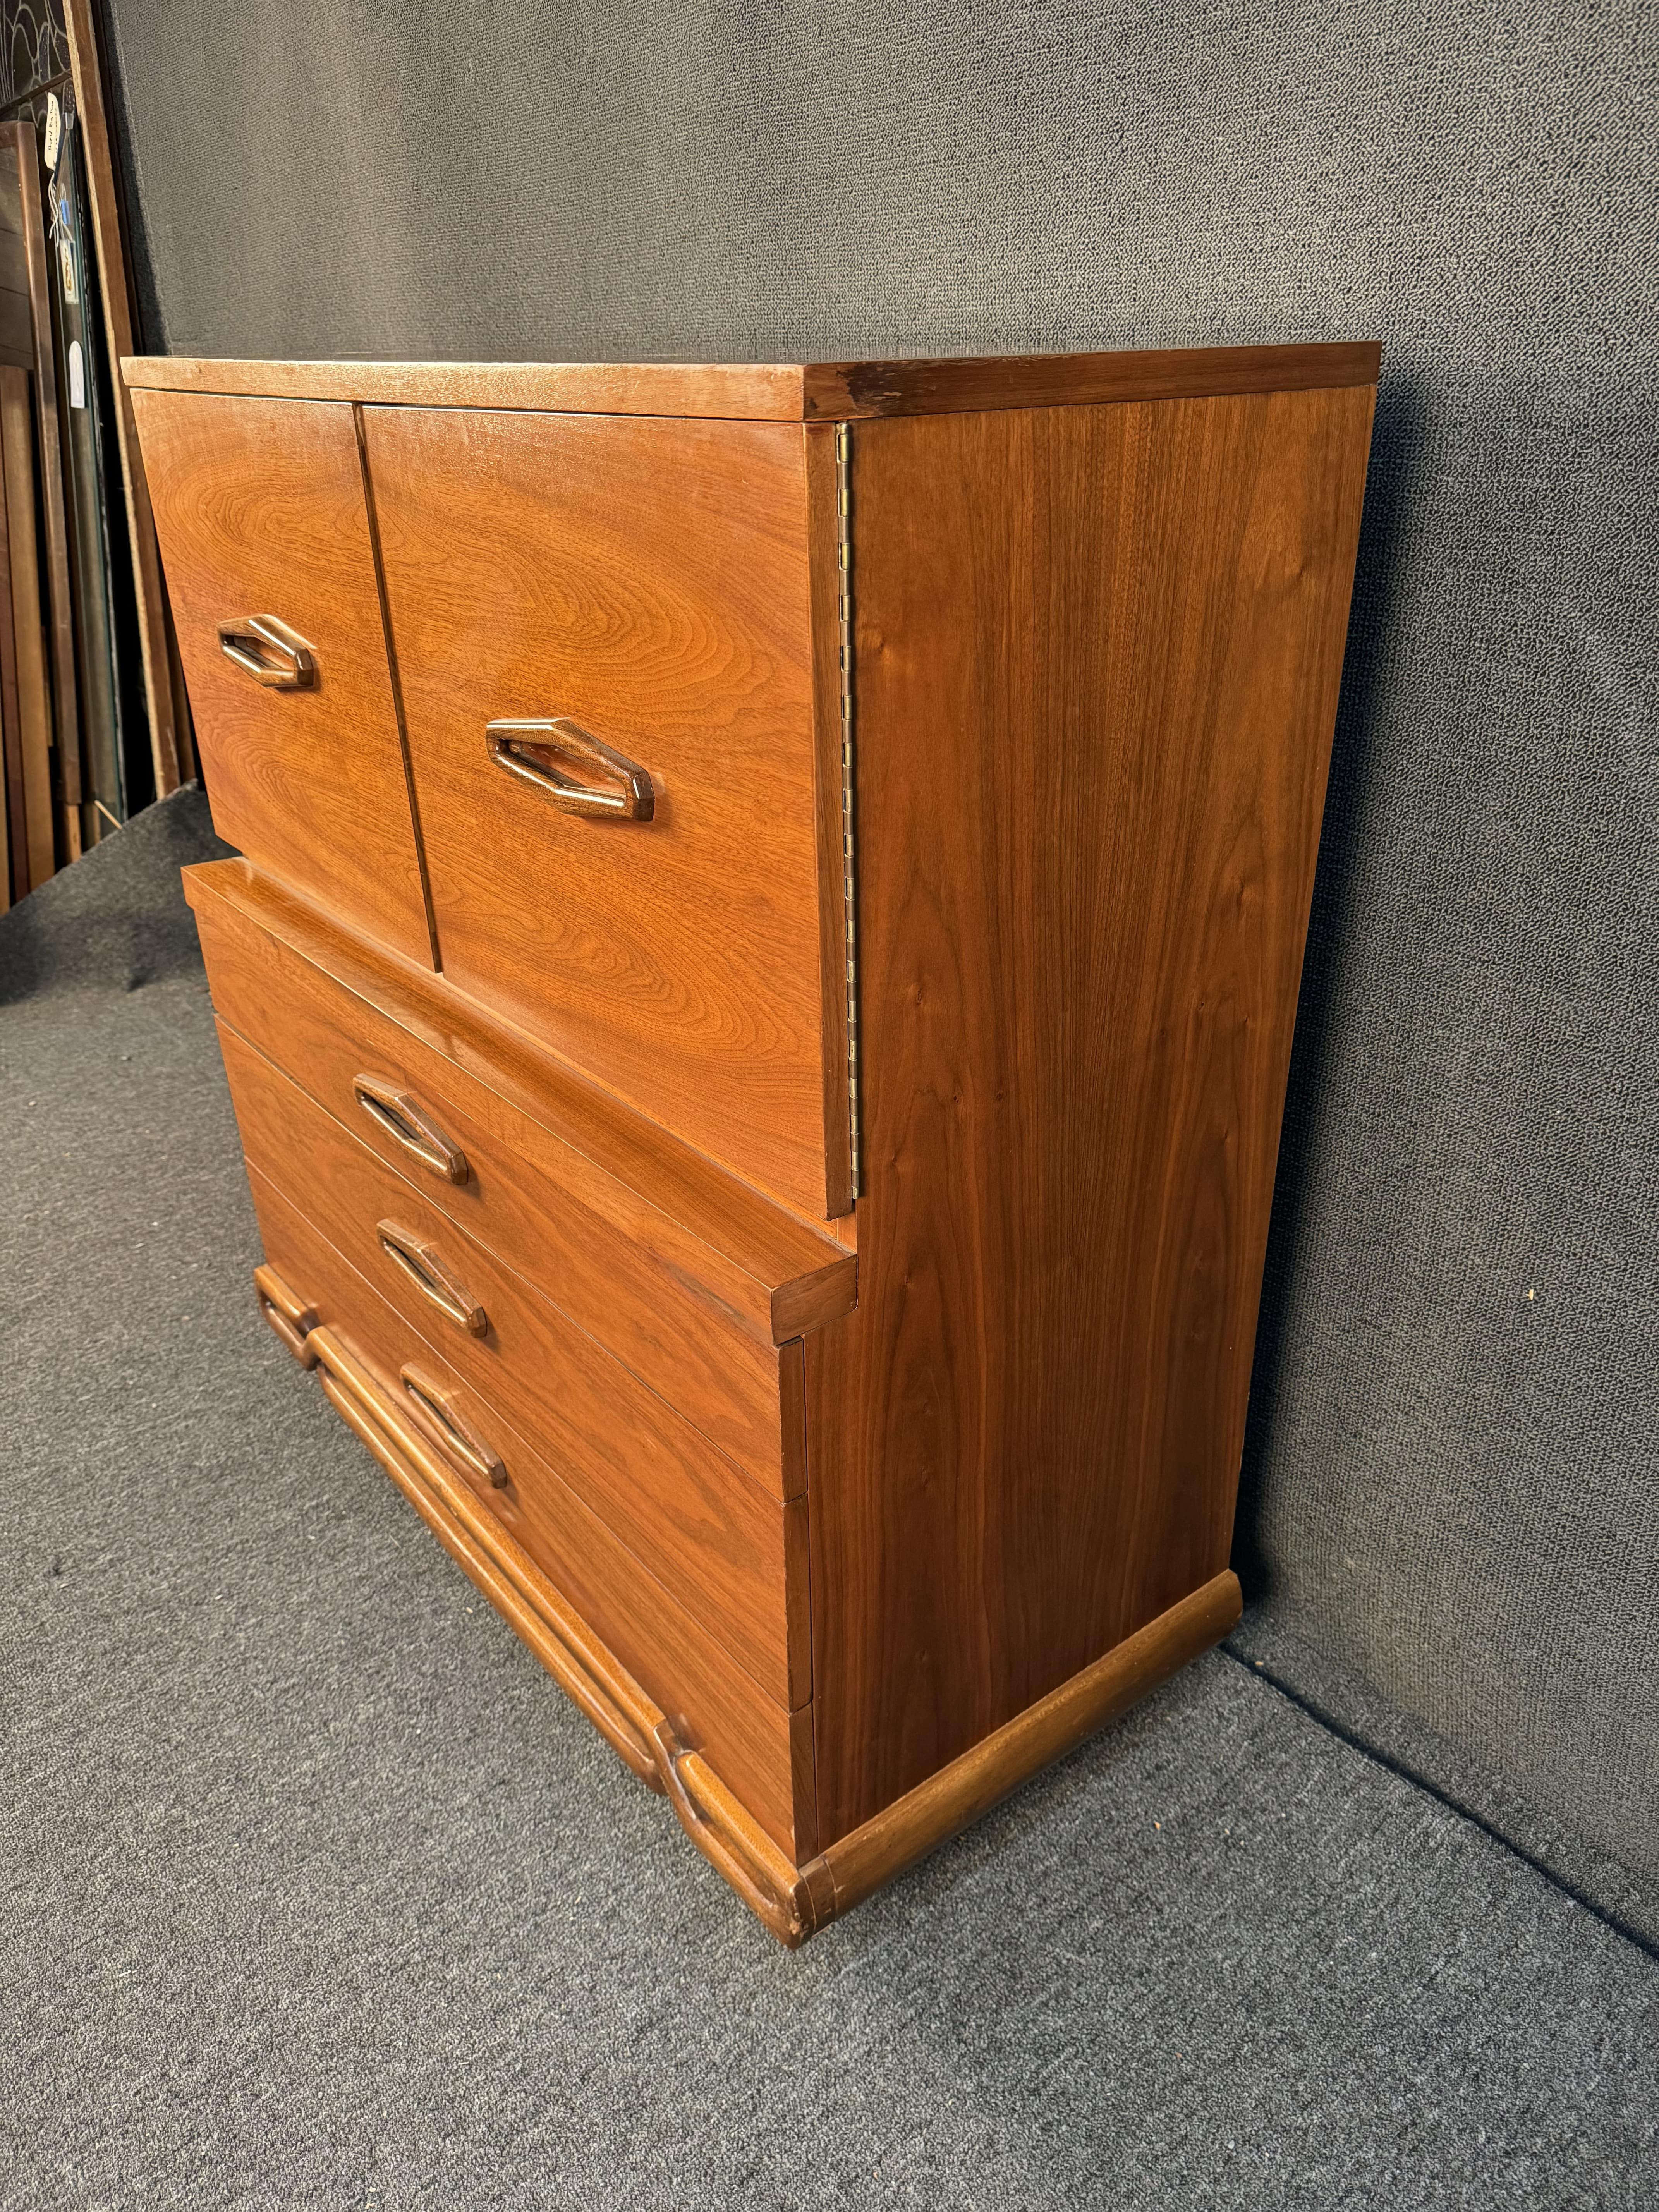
[615,1704]
[719,1825]
[848,1871]
[790,1901]
[737,1847]
[287,1317]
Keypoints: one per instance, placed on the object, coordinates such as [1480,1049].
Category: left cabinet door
[266,540]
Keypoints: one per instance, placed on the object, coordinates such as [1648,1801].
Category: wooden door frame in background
[169,722]
[21,144]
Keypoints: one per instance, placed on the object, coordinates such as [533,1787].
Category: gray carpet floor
[314,1889]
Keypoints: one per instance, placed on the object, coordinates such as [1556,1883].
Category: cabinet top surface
[792,391]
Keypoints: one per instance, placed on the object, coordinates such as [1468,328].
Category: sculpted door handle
[266,648]
[625,794]
[432,1276]
[404,1118]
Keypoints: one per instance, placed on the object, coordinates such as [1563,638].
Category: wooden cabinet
[758,1005]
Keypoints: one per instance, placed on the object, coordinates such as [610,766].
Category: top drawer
[259,509]
[646,581]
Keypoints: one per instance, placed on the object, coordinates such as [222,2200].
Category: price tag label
[54,139]
[77,368]
[66,264]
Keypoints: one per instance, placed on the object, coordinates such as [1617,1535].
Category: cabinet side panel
[1098,652]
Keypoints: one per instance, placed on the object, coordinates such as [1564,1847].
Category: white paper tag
[66,263]
[77,374]
[54,129]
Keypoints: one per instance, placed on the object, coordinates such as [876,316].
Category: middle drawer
[706,1531]
[715,1332]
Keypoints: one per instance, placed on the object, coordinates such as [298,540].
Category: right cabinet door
[265,533]
[630,873]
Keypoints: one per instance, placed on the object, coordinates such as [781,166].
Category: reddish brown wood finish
[621,1268]
[703,1234]
[649,581]
[772,1269]
[259,509]
[1100,605]
[757,1747]
[854,389]
[953,1795]
[705,1531]
[813,391]
[1097,659]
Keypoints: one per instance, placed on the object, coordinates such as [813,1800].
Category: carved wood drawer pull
[266,648]
[288,1318]
[432,1276]
[626,793]
[434,1411]
[403,1117]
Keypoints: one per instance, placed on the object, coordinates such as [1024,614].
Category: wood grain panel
[260,510]
[1097,659]
[707,1532]
[777,1276]
[621,1268]
[955,1795]
[755,1745]
[851,391]
[767,391]
[649,581]
[780,392]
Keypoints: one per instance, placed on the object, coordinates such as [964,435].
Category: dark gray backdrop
[1452,1483]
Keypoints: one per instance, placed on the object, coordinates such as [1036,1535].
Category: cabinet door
[636,882]
[263,528]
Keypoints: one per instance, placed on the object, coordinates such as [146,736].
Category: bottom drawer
[761,1751]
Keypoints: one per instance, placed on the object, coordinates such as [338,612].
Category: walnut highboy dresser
[758,1001]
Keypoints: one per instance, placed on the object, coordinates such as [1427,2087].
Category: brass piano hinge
[844,521]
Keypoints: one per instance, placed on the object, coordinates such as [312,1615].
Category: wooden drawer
[726,1548]
[649,581]
[656,1296]
[759,1749]
[260,511]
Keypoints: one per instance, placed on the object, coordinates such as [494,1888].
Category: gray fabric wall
[1452,1484]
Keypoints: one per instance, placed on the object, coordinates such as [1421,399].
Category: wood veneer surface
[623,1270]
[702,1528]
[759,1749]
[260,510]
[1100,605]
[777,1273]
[1097,659]
[649,581]
[795,392]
